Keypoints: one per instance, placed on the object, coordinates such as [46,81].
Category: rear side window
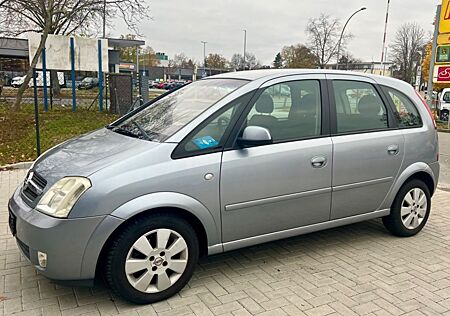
[358,107]
[404,109]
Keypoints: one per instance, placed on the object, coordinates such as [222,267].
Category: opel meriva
[226,162]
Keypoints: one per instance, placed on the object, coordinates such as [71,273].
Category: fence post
[100,76]
[72,73]
[36,115]
[44,77]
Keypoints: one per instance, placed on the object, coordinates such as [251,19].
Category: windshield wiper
[125,132]
[144,134]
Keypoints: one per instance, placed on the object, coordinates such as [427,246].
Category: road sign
[443,54]
[444,39]
[441,74]
[444,25]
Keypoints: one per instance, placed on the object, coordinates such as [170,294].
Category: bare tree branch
[323,33]
[64,17]
[409,41]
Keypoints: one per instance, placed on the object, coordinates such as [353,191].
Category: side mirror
[255,136]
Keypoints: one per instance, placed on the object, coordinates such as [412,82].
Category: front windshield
[166,116]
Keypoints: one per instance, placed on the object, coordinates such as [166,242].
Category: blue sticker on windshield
[205,142]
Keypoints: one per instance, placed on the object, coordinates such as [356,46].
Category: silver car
[226,162]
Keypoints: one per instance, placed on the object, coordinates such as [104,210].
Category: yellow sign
[444,24]
[443,39]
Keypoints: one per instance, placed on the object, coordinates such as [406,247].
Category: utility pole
[204,57]
[245,48]
[384,36]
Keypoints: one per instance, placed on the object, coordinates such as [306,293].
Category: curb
[15,166]
[443,130]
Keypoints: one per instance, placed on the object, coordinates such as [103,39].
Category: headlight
[59,200]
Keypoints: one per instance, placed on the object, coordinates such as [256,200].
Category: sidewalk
[354,270]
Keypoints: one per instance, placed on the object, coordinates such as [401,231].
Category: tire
[154,280]
[413,200]
[444,115]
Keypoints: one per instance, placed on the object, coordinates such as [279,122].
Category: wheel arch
[421,171]
[157,203]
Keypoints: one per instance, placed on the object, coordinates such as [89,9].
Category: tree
[63,17]
[278,61]
[409,42]
[147,56]
[251,62]
[216,61]
[347,60]
[323,34]
[298,56]
[181,61]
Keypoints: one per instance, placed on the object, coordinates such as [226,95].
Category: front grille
[25,249]
[33,186]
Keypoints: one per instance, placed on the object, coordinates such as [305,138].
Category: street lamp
[204,53]
[342,35]
[245,46]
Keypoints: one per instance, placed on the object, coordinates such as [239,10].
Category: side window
[404,109]
[211,134]
[358,107]
[290,111]
[446,97]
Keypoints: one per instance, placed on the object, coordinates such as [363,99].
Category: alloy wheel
[156,260]
[414,208]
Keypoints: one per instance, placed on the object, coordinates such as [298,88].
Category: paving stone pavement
[353,270]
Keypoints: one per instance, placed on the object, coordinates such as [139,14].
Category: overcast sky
[180,25]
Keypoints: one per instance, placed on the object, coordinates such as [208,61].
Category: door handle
[318,162]
[392,150]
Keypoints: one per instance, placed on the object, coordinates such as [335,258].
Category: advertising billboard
[58,52]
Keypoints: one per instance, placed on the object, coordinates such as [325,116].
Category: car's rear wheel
[152,259]
[410,210]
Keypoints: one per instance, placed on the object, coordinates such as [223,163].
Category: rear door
[368,148]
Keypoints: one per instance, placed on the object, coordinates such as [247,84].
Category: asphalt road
[444,148]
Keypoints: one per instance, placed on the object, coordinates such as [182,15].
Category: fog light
[42,259]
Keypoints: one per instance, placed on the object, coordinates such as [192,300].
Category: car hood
[84,155]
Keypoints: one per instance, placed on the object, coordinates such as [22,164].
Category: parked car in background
[16,82]
[223,163]
[88,83]
[174,85]
[160,85]
[154,84]
[444,104]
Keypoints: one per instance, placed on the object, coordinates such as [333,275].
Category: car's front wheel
[152,259]
[410,210]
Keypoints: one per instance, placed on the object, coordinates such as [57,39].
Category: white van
[444,104]
[18,81]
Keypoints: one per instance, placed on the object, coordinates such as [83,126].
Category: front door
[368,149]
[286,184]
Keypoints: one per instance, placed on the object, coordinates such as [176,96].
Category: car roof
[269,74]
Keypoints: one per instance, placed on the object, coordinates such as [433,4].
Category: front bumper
[63,240]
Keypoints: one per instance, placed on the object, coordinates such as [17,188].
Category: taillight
[428,108]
